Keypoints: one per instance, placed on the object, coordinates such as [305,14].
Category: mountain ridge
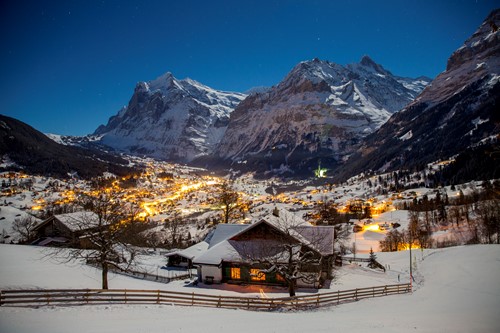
[34,152]
[320,110]
[456,112]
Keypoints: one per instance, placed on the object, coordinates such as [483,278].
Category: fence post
[248,303]
[356,294]
[48,298]
[219,302]
[317,301]
[373,291]
[385,290]
[1,298]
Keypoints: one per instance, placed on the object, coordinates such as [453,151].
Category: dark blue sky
[67,66]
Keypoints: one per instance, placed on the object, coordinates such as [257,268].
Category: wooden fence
[65,297]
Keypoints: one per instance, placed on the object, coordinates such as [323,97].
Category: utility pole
[354,248]
[411,272]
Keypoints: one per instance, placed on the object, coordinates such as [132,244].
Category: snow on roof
[191,252]
[320,238]
[225,231]
[78,220]
[214,255]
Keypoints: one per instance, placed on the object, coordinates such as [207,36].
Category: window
[279,278]
[235,273]
[257,275]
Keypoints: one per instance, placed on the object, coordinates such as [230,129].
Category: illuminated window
[279,278]
[235,273]
[257,275]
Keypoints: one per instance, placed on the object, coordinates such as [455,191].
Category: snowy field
[457,290]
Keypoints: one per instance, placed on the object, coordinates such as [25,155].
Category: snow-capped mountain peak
[456,112]
[172,119]
[319,108]
[368,63]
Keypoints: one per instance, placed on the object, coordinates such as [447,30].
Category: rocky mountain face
[170,119]
[458,111]
[321,110]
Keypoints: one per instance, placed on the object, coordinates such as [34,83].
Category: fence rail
[65,297]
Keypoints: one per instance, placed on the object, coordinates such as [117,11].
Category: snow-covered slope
[456,291]
[320,109]
[458,110]
[170,119]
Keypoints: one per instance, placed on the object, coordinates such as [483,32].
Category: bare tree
[153,240]
[228,200]
[174,228]
[326,213]
[106,228]
[489,220]
[24,227]
[393,241]
[292,250]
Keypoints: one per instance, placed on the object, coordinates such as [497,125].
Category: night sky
[67,66]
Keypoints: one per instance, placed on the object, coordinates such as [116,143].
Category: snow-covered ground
[456,290]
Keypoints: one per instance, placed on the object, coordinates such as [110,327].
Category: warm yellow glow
[257,275]
[235,273]
[263,294]
[36,207]
[372,227]
[407,247]
[142,214]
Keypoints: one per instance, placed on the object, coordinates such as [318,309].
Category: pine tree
[373,259]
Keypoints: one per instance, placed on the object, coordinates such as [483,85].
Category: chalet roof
[319,239]
[219,248]
[191,252]
[75,221]
[214,256]
[223,232]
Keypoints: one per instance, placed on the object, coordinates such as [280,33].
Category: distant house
[66,229]
[227,258]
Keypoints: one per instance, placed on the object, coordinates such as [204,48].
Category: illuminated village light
[406,246]
[372,227]
[320,172]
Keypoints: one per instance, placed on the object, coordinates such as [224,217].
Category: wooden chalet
[66,229]
[241,256]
